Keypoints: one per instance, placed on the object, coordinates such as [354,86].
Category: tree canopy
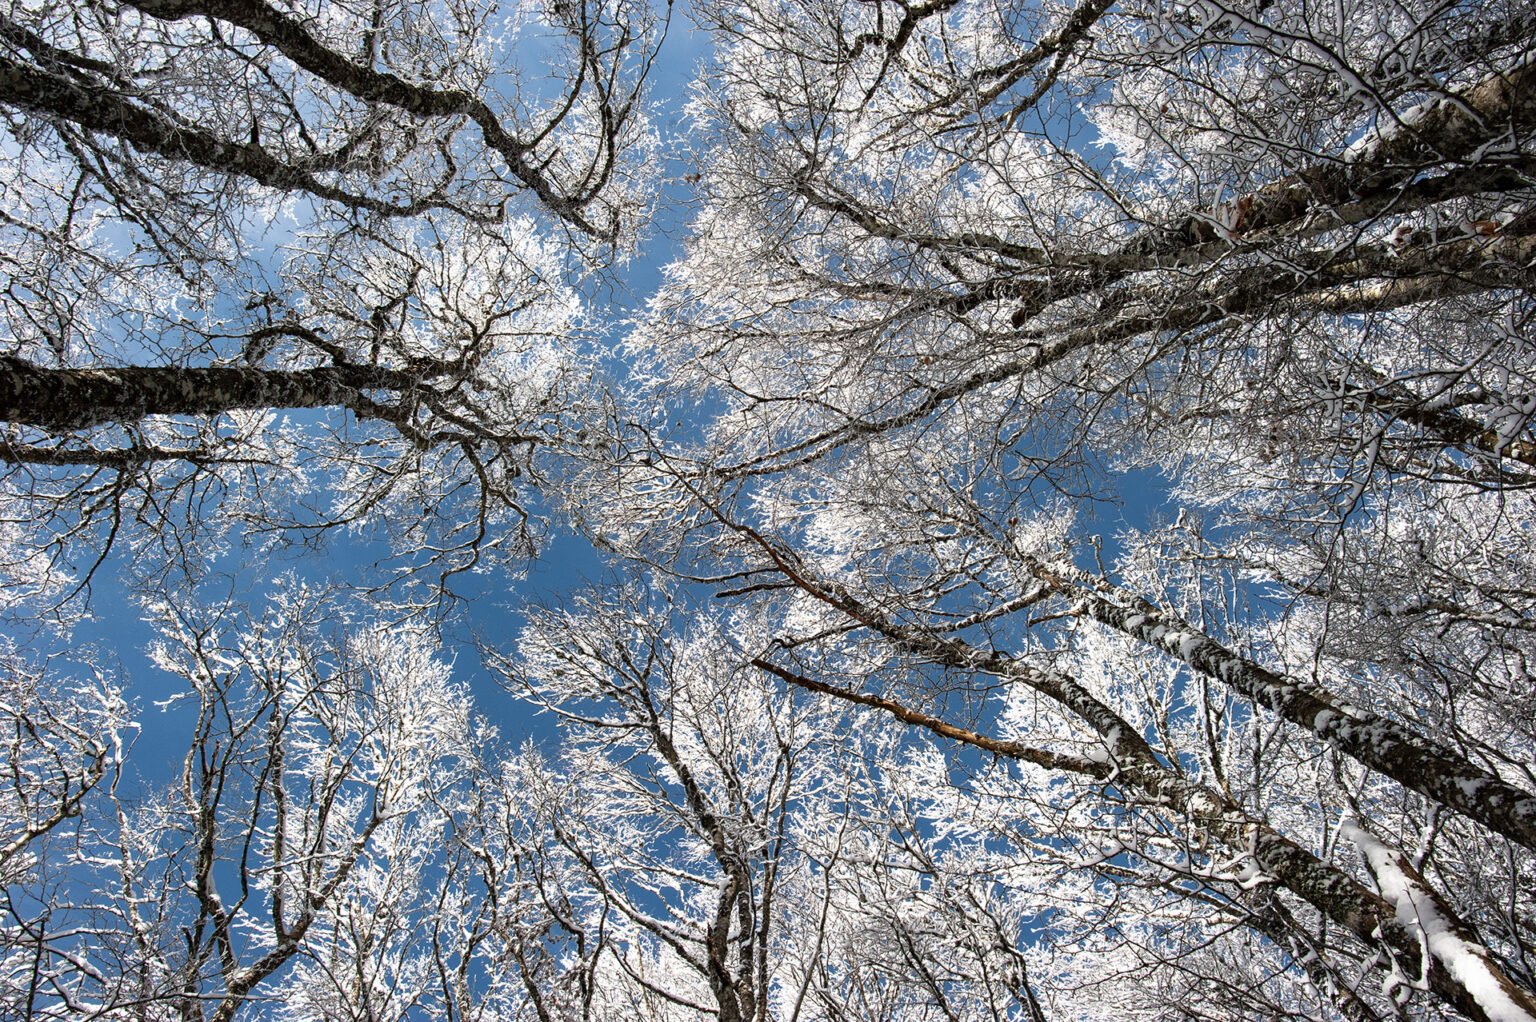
[1070,502]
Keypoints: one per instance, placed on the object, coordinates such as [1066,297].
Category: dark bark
[97,108]
[1411,759]
[733,993]
[1375,279]
[62,400]
[87,94]
[1395,402]
[1448,131]
[1453,134]
[295,42]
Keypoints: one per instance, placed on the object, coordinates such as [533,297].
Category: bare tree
[305,860]
[306,264]
[707,843]
[965,280]
[64,738]
[963,275]
[923,209]
[680,778]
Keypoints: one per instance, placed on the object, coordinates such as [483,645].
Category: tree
[365,219]
[948,740]
[308,858]
[63,742]
[667,820]
[706,844]
[961,271]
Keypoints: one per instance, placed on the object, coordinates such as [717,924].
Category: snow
[1251,875]
[1420,909]
[1471,786]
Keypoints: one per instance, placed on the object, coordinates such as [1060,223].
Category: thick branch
[1376,280]
[1351,188]
[72,399]
[1410,758]
[104,110]
[1445,936]
[295,42]
[1451,129]
[1136,768]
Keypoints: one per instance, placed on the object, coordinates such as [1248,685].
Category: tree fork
[97,109]
[296,43]
[1330,890]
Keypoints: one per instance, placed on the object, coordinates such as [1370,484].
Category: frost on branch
[1447,940]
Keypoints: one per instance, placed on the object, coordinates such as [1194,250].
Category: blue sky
[491,611]
[115,635]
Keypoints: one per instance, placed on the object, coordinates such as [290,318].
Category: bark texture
[72,399]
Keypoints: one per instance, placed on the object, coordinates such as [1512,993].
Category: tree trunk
[72,399]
